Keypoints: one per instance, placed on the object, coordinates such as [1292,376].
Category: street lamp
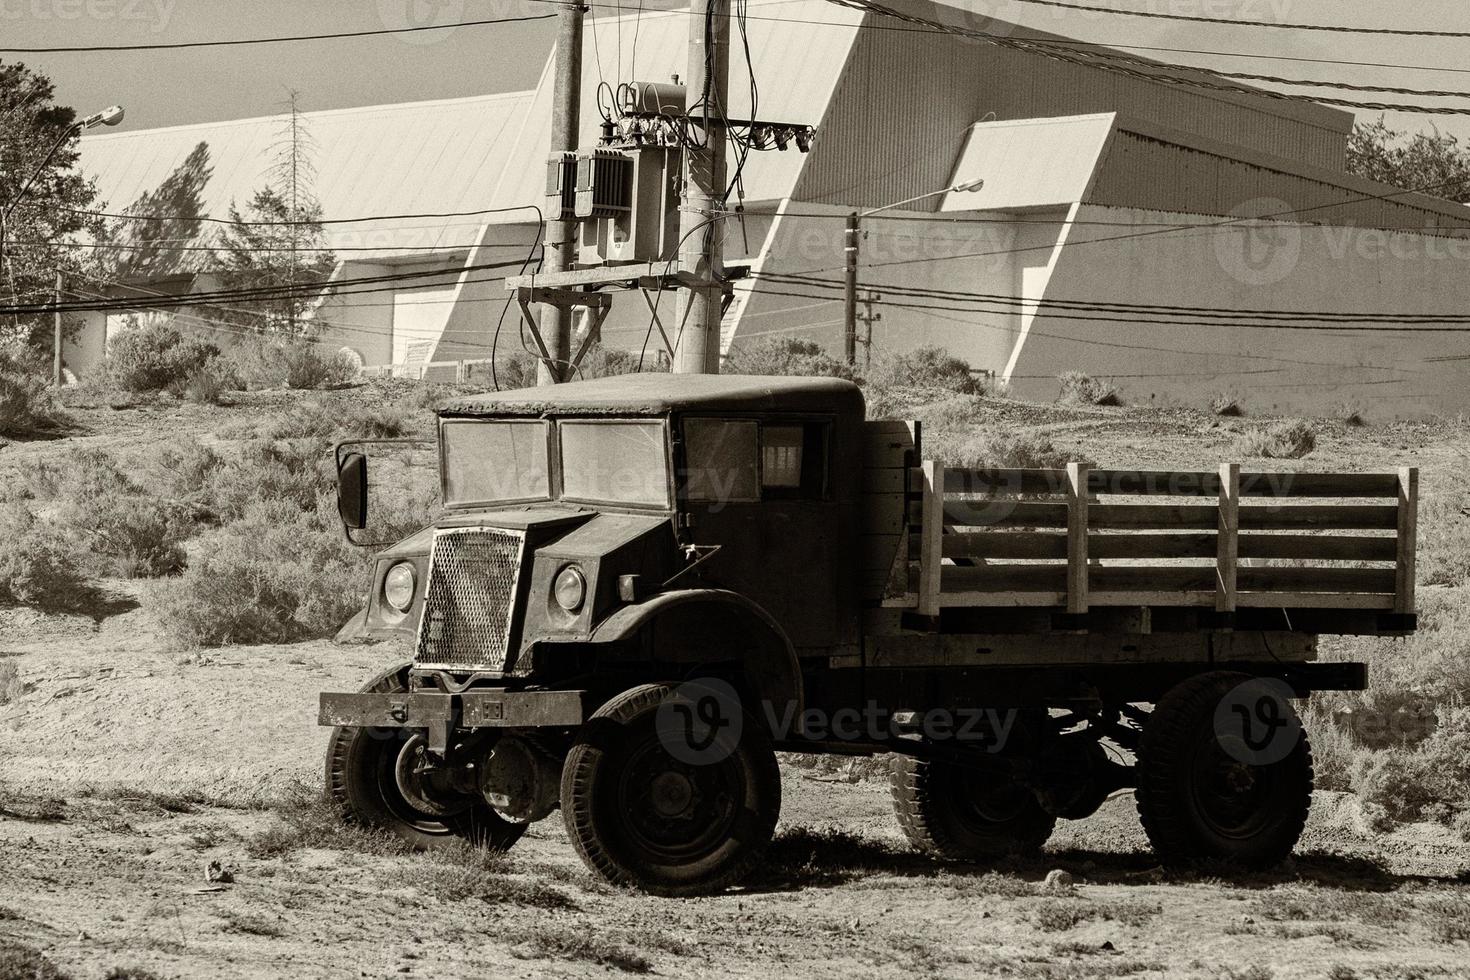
[849,338]
[110,116]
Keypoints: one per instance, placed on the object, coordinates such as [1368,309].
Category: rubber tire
[354,766]
[588,795]
[1166,807]
[927,797]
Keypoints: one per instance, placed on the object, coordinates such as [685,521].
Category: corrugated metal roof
[411,158]
[1029,163]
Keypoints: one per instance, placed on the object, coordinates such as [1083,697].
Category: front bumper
[440,713]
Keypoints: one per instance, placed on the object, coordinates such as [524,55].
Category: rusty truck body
[642,588]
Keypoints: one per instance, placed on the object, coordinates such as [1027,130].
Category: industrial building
[1121,221]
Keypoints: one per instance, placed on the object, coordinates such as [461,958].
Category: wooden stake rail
[1056,538]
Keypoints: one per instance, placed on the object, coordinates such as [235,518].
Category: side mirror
[352,491]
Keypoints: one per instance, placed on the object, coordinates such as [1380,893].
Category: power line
[235,42]
[1334,28]
[1117,63]
[430,215]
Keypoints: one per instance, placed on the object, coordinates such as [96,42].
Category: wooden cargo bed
[1080,540]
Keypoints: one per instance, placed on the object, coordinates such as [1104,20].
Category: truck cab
[642,587]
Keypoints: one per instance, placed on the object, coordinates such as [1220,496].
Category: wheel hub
[672,794]
[415,776]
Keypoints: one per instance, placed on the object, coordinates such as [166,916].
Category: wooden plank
[1319,547]
[1227,537]
[1005,544]
[877,551]
[931,529]
[890,443]
[1001,481]
[1005,578]
[1149,545]
[884,513]
[1203,598]
[1317,579]
[1408,533]
[1077,538]
[881,481]
[1201,517]
[1004,513]
[1314,600]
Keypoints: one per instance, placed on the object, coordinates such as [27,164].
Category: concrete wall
[1268,266]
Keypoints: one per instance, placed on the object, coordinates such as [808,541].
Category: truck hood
[420,541]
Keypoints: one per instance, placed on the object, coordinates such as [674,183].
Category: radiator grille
[469,602]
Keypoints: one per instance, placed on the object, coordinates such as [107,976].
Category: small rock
[218,873]
[1058,882]
[1107,947]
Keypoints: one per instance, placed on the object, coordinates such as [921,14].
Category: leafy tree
[277,240]
[1433,161]
[46,218]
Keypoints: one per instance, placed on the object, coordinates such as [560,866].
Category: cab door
[760,488]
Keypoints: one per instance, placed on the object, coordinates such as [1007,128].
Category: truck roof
[660,394]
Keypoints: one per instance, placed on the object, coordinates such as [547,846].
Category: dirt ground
[127,772]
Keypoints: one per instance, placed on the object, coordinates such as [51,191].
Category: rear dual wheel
[964,813]
[1225,772]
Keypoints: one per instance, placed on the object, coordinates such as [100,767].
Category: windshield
[496,462]
[615,462]
[601,462]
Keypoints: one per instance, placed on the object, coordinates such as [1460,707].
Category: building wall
[897,120]
[1269,266]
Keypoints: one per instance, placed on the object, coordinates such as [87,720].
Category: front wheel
[1225,772]
[378,778]
[648,805]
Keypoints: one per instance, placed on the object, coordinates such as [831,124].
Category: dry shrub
[580,944]
[1427,782]
[924,367]
[10,686]
[158,357]
[277,575]
[37,564]
[299,363]
[785,356]
[1350,413]
[288,471]
[1225,404]
[1287,439]
[19,962]
[1009,449]
[126,530]
[329,423]
[1078,388]
[28,406]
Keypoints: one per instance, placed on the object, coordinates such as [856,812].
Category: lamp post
[850,248]
[110,116]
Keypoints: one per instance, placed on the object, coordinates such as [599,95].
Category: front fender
[772,669]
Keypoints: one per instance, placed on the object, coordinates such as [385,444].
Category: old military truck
[643,587]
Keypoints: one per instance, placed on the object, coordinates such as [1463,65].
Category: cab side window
[721,461]
[794,460]
[742,460]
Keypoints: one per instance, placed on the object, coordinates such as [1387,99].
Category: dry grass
[250,924]
[1287,439]
[28,406]
[582,944]
[1078,388]
[10,686]
[1223,403]
[20,962]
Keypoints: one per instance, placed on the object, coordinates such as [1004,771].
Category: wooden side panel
[1408,535]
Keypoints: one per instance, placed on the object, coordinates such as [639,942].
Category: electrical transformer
[628,204]
[561,186]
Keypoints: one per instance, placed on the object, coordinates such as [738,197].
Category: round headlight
[399,585]
[570,588]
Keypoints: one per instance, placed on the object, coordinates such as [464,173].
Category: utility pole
[850,254]
[561,235]
[869,317]
[56,327]
[700,253]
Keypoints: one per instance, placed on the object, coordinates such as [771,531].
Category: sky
[165,88]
